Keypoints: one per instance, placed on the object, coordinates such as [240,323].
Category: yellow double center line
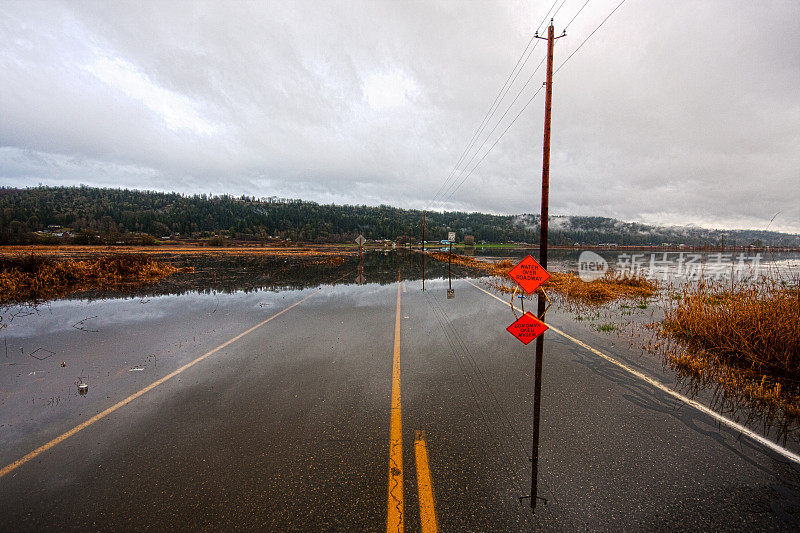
[427,513]
[394,521]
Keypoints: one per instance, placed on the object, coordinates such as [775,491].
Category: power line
[497,101]
[486,117]
[451,193]
[556,13]
[576,15]
[494,144]
[519,93]
[589,36]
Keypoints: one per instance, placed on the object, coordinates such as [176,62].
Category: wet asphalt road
[287,428]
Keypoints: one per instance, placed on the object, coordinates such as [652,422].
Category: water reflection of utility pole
[410,231]
[450,293]
[449,262]
[537,389]
[423,250]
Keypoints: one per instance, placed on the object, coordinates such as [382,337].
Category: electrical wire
[493,145]
[447,192]
[588,37]
[454,190]
[576,15]
[497,101]
[486,118]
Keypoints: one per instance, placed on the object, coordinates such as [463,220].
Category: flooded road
[260,395]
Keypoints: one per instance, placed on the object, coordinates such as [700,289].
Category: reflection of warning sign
[527,328]
[529,274]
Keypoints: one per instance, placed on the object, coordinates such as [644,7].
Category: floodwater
[63,359]
[287,428]
[674,265]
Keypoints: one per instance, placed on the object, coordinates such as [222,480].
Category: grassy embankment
[32,278]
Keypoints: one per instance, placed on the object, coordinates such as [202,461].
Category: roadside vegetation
[567,284]
[743,340]
[753,326]
[740,340]
[29,278]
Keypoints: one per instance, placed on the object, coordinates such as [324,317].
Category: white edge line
[122,403]
[657,384]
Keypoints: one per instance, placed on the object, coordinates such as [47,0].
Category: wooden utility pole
[543,223]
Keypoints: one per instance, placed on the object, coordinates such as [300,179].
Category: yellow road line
[394,520]
[427,512]
[43,448]
[657,384]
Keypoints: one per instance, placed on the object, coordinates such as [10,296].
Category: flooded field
[665,266]
[65,357]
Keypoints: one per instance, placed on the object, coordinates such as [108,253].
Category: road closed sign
[527,328]
[529,274]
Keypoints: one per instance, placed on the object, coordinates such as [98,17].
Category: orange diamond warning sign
[527,327]
[529,274]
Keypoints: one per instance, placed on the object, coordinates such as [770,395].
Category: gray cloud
[673,113]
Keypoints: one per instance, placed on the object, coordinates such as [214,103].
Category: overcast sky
[679,112]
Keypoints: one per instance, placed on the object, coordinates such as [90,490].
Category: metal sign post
[410,232]
[360,240]
[449,262]
[450,292]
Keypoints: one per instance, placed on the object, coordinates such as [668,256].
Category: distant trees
[93,215]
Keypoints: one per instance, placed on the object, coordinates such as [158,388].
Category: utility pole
[543,223]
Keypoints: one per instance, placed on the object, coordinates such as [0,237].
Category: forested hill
[86,214]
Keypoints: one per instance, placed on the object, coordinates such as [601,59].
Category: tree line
[103,215]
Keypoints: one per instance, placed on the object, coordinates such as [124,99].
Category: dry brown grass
[34,278]
[598,291]
[462,260]
[186,249]
[335,260]
[753,326]
[776,399]
[742,340]
[601,290]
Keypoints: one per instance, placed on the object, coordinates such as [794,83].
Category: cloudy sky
[680,112]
